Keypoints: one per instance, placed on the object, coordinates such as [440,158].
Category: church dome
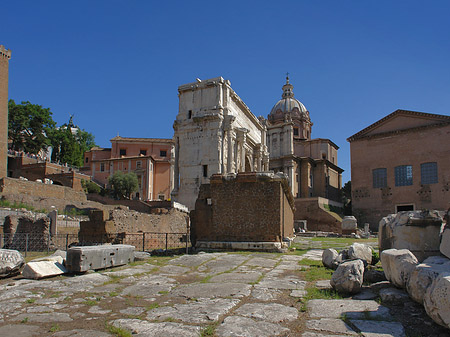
[288,105]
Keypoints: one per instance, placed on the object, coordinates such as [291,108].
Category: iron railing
[145,241]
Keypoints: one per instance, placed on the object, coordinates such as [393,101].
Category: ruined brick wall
[40,195]
[121,220]
[250,207]
[318,218]
[16,227]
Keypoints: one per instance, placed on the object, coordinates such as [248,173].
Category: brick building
[5,55]
[400,163]
[150,158]
[248,210]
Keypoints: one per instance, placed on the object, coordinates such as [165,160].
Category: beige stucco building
[5,55]
[214,133]
[401,162]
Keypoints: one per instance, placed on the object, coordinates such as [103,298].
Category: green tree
[347,198]
[123,184]
[69,147]
[28,126]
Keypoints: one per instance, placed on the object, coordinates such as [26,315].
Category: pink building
[150,158]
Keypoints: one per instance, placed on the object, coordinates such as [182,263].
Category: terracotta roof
[440,120]
[150,140]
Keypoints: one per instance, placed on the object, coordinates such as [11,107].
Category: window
[138,164]
[403,175]
[428,173]
[163,153]
[87,160]
[190,114]
[143,152]
[205,171]
[295,131]
[102,167]
[380,177]
[123,152]
[403,208]
[161,197]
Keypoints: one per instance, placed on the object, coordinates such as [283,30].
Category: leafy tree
[123,184]
[347,197]
[28,126]
[90,187]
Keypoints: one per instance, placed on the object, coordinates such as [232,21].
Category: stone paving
[220,294]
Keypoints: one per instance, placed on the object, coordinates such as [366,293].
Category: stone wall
[16,227]
[40,195]
[244,207]
[319,219]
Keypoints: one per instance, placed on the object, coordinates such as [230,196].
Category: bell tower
[5,55]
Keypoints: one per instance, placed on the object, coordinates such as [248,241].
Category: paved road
[221,294]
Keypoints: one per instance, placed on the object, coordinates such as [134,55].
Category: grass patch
[118,331]
[210,330]
[24,320]
[90,302]
[206,279]
[113,294]
[152,306]
[31,300]
[54,328]
[258,280]
[315,273]
[163,292]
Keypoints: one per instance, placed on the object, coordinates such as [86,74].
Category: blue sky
[116,65]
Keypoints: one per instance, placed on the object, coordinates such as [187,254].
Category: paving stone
[149,286]
[290,282]
[354,309]
[379,328]
[213,290]
[192,260]
[237,277]
[20,330]
[39,309]
[45,317]
[201,311]
[266,294]
[235,326]
[125,272]
[271,312]
[330,325]
[298,293]
[173,270]
[147,329]
[261,262]
[313,254]
[98,311]
[136,311]
[81,333]
[323,284]
[223,263]
[315,334]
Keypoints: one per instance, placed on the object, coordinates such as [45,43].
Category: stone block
[10,262]
[437,300]
[349,223]
[328,258]
[417,231]
[398,265]
[348,277]
[445,242]
[424,274]
[81,259]
[40,269]
[360,251]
